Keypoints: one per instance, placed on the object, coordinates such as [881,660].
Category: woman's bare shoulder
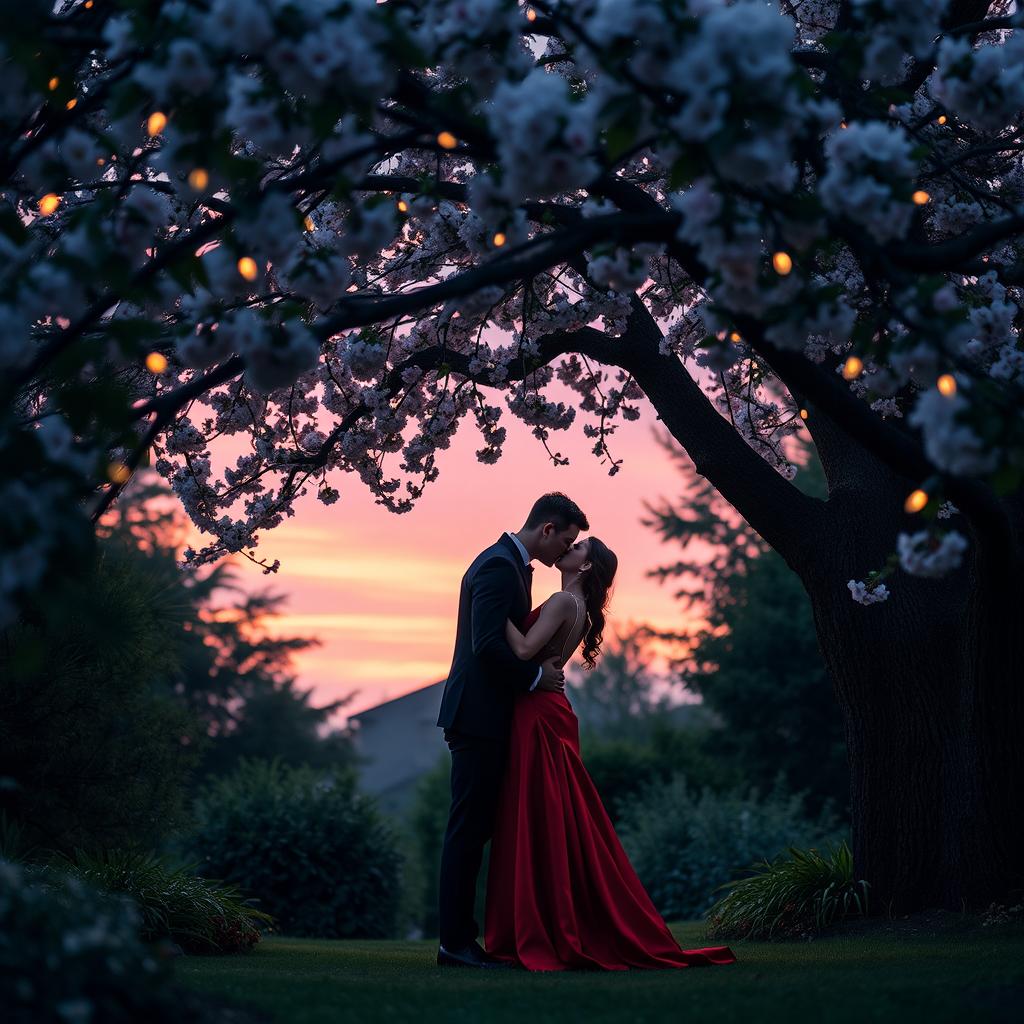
[561,601]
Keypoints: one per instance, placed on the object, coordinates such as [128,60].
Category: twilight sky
[381,590]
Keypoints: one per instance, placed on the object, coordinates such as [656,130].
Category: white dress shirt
[526,561]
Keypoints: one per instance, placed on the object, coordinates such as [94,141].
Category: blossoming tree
[340,228]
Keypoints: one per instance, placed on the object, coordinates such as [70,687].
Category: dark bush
[94,750]
[314,852]
[71,954]
[685,846]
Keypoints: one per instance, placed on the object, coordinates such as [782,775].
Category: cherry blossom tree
[338,229]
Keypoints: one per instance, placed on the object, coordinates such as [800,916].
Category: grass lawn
[887,974]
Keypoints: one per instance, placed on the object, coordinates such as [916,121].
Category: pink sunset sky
[381,590]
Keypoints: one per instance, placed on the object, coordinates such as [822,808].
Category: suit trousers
[477,768]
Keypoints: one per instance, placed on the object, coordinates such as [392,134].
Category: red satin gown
[561,893]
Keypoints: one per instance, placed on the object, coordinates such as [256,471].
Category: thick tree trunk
[929,683]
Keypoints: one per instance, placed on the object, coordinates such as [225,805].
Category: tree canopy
[336,230]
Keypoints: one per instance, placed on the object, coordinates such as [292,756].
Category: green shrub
[428,820]
[199,915]
[790,896]
[623,769]
[71,954]
[685,847]
[315,853]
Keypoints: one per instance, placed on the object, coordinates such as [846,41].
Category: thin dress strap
[575,622]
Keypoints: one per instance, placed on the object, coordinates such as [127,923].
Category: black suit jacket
[485,673]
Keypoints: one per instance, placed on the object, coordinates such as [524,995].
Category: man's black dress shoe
[467,956]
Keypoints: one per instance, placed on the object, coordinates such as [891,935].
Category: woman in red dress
[561,893]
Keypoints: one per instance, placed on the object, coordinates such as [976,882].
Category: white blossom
[921,554]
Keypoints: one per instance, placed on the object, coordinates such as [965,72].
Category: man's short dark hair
[558,509]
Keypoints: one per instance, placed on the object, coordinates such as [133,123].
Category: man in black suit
[476,709]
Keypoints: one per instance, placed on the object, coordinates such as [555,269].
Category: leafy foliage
[312,850]
[790,896]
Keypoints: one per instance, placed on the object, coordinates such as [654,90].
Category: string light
[156,362]
[842,124]
[531,14]
[947,385]
[156,122]
[803,414]
[403,206]
[735,336]
[941,119]
[49,203]
[118,473]
[198,178]
[782,262]
[499,239]
[308,221]
[247,268]
[852,367]
[920,197]
[446,140]
[71,104]
[53,83]
[916,501]
[100,161]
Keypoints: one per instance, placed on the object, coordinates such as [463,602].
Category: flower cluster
[922,554]
[868,177]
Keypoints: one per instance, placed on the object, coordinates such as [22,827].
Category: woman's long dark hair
[597,581]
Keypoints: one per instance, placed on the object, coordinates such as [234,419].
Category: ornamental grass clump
[790,896]
[200,915]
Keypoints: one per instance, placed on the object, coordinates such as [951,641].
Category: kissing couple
[561,893]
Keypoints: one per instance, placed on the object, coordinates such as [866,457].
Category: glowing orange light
[403,206]
[941,119]
[88,4]
[499,239]
[198,178]
[782,262]
[446,140]
[49,203]
[803,414]
[916,501]
[735,336]
[71,104]
[247,268]
[852,367]
[947,385]
[53,83]
[100,161]
[118,473]
[156,362]
[156,122]
[842,124]
[531,14]
[920,197]
[308,221]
